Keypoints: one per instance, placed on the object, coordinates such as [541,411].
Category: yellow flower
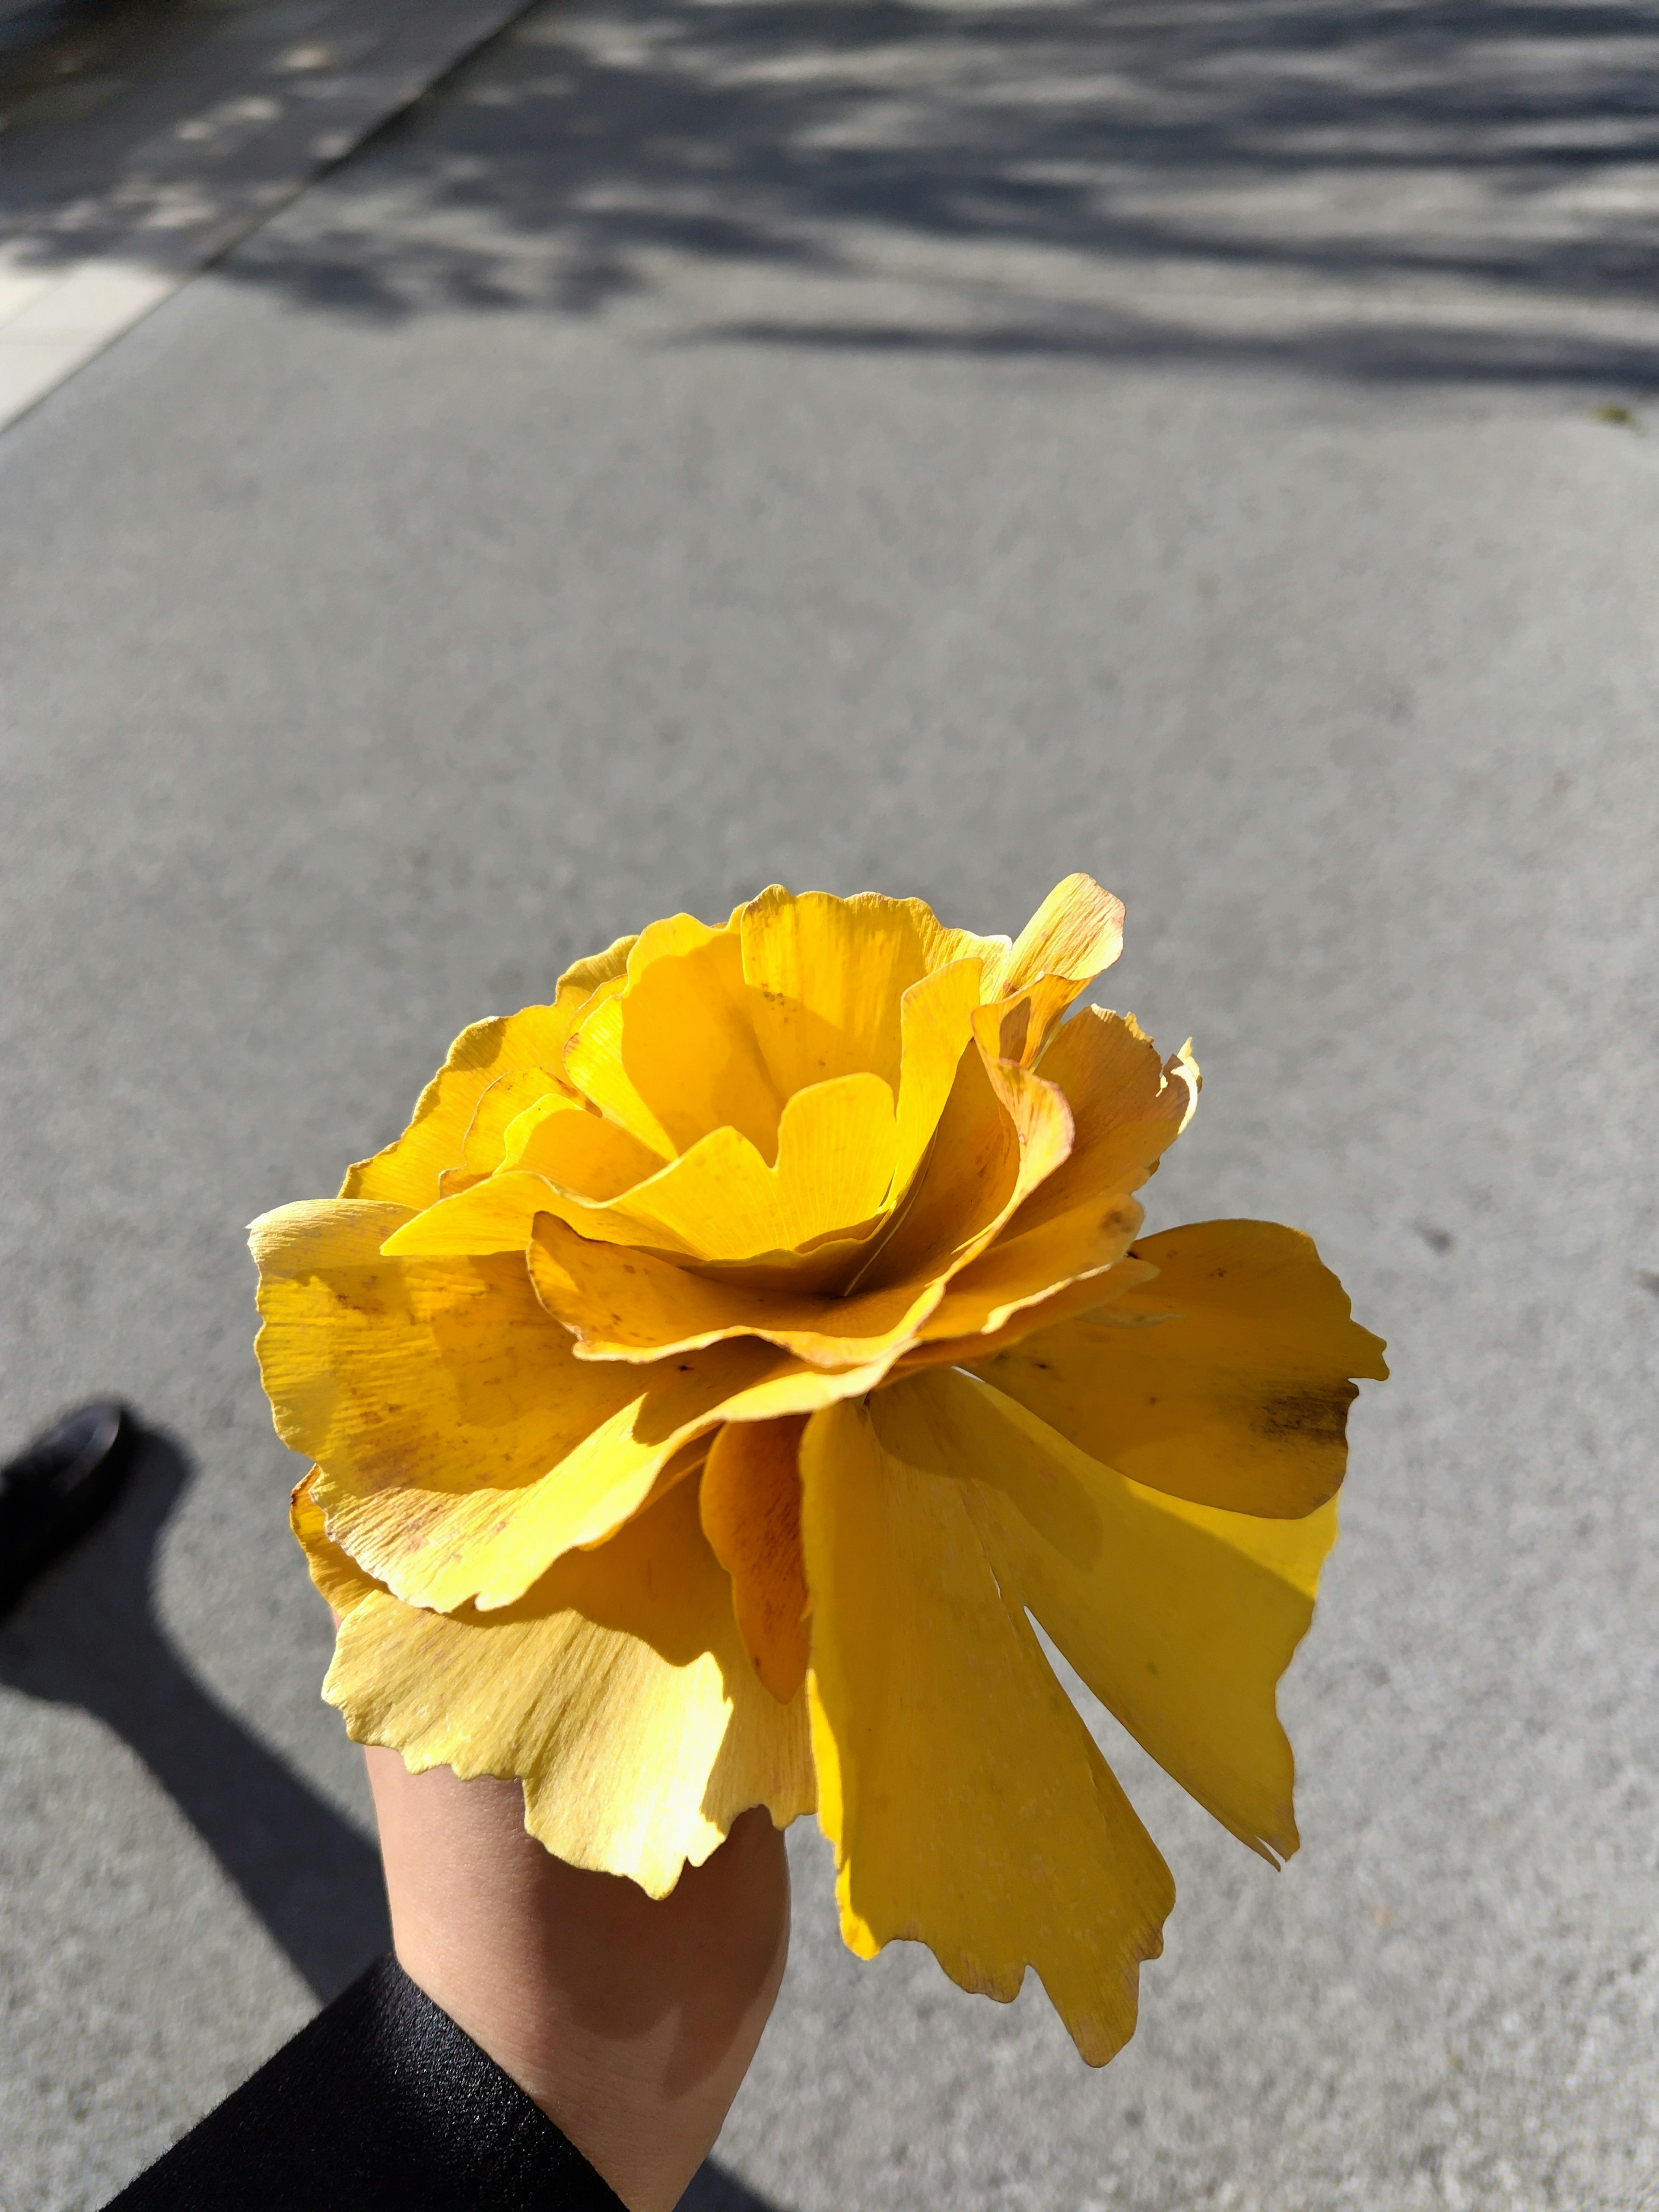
[732,1359]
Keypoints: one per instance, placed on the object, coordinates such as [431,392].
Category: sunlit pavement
[931,449]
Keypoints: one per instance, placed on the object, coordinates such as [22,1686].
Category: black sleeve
[381,2105]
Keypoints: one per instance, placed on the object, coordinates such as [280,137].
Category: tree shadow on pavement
[1399,189]
[1415,190]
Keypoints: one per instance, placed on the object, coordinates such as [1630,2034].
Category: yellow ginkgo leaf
[616,1686]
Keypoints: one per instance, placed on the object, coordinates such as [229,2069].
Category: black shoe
[52,1493]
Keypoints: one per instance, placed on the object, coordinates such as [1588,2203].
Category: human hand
[630,2022]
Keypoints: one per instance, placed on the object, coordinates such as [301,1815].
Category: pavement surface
[144,138]
[932,448]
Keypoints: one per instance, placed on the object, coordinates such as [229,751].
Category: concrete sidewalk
[931,449]
[143,139]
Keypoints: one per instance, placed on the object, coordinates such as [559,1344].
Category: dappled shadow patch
[1416,191]
[1410,192]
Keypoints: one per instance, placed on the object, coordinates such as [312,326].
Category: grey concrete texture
[160,131]
[929,449]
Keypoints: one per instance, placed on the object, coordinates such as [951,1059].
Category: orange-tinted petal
[626,1305]
[1003,1131]
[339,1580]
[750,1504]
[1127,1107]
[1018,1027]
[1024,1270]
[936,1024]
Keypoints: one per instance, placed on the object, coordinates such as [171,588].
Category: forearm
[630,2023]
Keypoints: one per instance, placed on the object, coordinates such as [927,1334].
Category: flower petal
[1018,1027]
[969,1807]
[436,1396]
[577,1149]
[720,1189]
[1181,1622]
[340,1581]
[750,1504]
[1076,933]
[831,975]
[1239,1400]
[950,1424]
[408,1171]
[1003,1131]
[1127,1107]
[1079,1221]
[675,1055]
[495,1215]
[835,1159]
[1022,1270]
[617,1689]
[604,971]
[626,1305]
[1099,1296]
[936,1023]
[461,1445]
[498,1106]
[720,1201]
[516,1048]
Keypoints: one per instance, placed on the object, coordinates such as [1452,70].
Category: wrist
[630,2022]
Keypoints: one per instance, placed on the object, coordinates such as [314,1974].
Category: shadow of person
[713,2190]
[89,1635]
